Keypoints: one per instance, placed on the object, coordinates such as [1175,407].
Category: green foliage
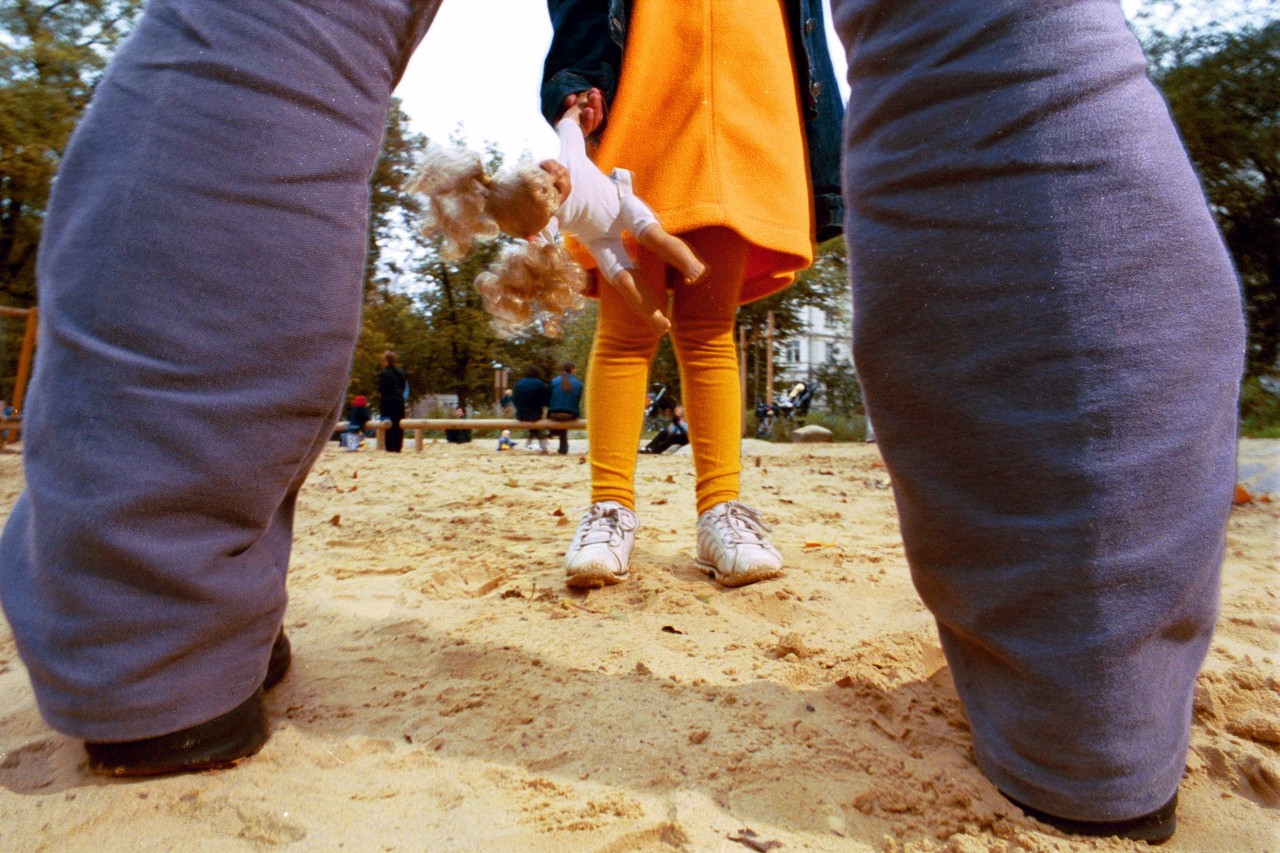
[841,393]
[844,427]
[393,212]
[1259,409]
[1222,89]
[51,56]
[823,286]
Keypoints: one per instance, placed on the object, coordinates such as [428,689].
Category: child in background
[353,438]
[505,442]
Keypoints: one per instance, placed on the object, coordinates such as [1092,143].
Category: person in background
[506,404]
[505,441]
[357,417]
[674,434]
[458,436]
[565,403]
[531,396]
[392,385]
[6,412]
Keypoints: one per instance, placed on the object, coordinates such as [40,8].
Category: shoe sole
[594,579]
[220,743]
[1155,827]
[735,579]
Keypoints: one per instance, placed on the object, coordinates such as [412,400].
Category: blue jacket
[566,401]
[586,51]
[531,394]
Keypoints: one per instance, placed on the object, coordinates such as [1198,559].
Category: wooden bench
[419,426]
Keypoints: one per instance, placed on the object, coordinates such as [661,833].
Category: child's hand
[590,115]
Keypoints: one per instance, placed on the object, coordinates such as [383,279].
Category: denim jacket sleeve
[586,51]
[823,113]
[583,53]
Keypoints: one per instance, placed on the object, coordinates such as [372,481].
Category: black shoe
[220,742]
[1155,827]
[278,665]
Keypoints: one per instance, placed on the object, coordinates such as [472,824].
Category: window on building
[791,353]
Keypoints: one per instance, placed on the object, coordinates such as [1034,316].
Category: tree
[52,54]
[841,391]
[824,286]
[394,212]
[463,346]
[1222,90]
[391,319]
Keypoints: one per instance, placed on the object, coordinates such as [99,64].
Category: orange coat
[707,119]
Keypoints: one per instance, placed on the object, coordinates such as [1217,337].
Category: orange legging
[702,317]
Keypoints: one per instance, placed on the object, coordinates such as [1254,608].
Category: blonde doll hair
[531,284]
[466,205]
[522,200]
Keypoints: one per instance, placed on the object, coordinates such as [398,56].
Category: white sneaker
[732,548]
[600,553]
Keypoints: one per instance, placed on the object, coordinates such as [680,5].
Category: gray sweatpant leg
[1049,334]
[200,289]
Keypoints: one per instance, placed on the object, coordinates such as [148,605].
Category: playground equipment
[11,427]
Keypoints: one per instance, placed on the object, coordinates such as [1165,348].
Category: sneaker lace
[605,524]
[740,524]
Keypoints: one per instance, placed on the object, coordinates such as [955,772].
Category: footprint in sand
[29,769]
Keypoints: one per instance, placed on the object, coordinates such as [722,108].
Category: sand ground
[450,693]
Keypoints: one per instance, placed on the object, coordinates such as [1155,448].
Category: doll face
[559,178]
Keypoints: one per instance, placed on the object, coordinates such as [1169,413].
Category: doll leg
[640,303]
[640,220]
[674,251]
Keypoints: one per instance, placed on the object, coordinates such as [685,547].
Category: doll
[539,280]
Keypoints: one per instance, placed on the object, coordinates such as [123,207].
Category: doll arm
[573,145]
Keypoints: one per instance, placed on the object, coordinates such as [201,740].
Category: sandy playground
[450,693]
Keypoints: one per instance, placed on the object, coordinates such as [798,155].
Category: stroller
[658,403]
[791,404]
[674,434]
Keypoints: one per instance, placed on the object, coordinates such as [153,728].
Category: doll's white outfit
[599,207]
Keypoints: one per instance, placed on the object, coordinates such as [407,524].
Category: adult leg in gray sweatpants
[200,287]
[1049,334]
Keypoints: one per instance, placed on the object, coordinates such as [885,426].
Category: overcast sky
[481,65]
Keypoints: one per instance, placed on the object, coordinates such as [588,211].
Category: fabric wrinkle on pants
[200,274]
[1048,332]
